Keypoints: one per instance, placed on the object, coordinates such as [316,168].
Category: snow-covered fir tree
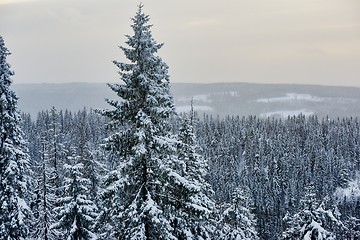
[43,195]
[348,200]
[88,154]
[57,152]
[192,192]
[75,213]
[138,200]
[14,211]
[236,221]
[312,222]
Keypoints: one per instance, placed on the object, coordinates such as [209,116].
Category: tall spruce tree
[14,210]
[138,199]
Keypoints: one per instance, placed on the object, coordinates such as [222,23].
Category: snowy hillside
[218,99]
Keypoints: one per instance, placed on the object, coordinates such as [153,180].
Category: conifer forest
[139,170]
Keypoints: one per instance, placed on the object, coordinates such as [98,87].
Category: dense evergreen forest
[138,170]
[289,172]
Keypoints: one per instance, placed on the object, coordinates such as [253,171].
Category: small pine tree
[14,211]
[237,222]
[76,214]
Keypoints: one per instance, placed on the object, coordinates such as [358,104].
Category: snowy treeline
[139,171]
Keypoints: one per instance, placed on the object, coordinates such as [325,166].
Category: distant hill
[217,99]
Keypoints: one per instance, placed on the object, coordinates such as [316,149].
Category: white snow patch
[233,94]
[195,107]
[290,97]
[204,98]
[287,113]
[351,193]
[200,97]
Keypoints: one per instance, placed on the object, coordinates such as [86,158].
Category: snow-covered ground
[206,97]
[232,94]
[287,113]
[351,193]
[293,97]
[303,97]
[195,107]
[201,98]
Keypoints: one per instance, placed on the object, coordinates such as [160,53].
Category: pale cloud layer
[267,41]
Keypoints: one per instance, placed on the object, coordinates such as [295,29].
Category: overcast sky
[257,41]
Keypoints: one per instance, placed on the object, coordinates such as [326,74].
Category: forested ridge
[139,170]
